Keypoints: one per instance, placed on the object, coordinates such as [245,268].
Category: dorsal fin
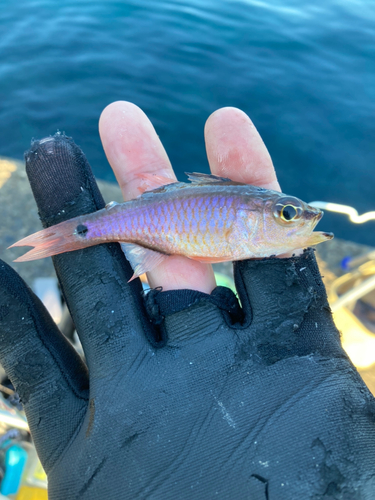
[198,178]
[165,189]
[152,182]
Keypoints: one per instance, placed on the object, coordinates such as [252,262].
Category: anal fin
[211,260]
[142,259]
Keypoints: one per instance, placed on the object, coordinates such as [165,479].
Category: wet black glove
[186,395]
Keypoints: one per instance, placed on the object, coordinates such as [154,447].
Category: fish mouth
[314,215]
[317,237]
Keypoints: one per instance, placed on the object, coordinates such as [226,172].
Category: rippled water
[303,71]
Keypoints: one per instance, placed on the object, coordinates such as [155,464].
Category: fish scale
[212,219]
[192,225]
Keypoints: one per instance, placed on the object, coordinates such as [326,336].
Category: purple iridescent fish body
[210,220]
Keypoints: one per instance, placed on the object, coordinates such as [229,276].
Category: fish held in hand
[212,219]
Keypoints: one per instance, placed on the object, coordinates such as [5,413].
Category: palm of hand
[212,413]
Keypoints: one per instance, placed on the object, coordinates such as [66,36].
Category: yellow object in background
[357,340]
[39,473]
[32,493]
[34,480]
[7,167]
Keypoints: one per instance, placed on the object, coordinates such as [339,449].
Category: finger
[45,370]
[286,308]
[132,148]
[107,311]
[236,150]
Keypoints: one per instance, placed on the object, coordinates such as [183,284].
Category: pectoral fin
[142,259]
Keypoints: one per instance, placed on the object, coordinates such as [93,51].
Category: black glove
[185,395]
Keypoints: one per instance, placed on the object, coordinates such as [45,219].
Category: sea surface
[304,71]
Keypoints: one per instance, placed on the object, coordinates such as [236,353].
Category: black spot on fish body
[81,230]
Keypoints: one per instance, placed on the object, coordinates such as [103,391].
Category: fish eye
[288,210]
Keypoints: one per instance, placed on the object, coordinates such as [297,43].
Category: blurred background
[303,71]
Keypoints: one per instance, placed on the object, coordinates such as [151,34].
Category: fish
[211,219]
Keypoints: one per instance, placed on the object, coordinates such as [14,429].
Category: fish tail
[63,237]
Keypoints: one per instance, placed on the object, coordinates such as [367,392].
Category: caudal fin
[60,238]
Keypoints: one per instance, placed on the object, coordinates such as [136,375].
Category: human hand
[234,149]
[185,395]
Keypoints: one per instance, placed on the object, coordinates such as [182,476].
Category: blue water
[304,71]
